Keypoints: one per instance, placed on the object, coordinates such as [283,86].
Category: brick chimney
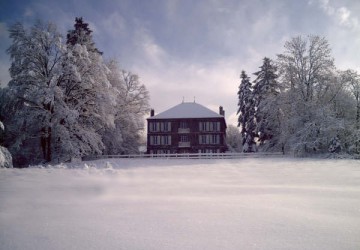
[221,111]
[152,113]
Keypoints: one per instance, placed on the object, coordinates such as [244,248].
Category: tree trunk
[43,142]
[48,144]
[357,111]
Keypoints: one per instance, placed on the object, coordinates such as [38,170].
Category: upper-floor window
[209,126]
[166,126]
[153,126]
[160,126]
[183,124]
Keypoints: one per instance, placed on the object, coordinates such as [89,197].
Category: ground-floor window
[209,150]
[160,151]
[163,151]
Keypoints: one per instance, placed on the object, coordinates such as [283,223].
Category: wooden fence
[190,156]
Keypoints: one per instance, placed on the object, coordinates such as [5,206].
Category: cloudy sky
[186,48]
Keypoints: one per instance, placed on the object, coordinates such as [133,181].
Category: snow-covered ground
[183,204]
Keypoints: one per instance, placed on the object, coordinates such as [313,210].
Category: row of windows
[201,151]
[209,126]
[160,126]
[160,140]
[160,151]
[166,139]
[166,126]
[209,150]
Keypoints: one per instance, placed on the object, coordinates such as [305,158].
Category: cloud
[183,48]
[29,12]
[4,73]
[170,81]
[341,14]
[342,31]
[147,48]
[4,58]
[114,24]
[228,46]
[3,31]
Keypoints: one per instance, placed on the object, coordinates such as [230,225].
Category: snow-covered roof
[187,110]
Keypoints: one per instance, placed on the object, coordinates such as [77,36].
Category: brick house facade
[186,128]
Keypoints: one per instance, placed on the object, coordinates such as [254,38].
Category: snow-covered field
[183,204]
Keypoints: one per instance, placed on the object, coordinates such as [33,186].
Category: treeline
[300,103]
[64,100]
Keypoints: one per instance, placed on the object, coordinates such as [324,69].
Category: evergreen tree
[266,90]
[81,35]
[246,112]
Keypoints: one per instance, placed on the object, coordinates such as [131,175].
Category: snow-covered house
[186,128]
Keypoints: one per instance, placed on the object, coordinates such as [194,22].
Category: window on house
[202,139]
[216,126]
[204,126]
[166,140]
[184,138]
[183,125]
[215,139]
[156,142]
[166,126]
[152,126]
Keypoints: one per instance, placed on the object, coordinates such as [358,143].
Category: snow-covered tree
[35,71]
[131,104]
[5,156]
[246,112]
[87,96]
[233,139]
[306,66]
[266,91]
[351,109]
[310,81]
[352,79]
[63,102]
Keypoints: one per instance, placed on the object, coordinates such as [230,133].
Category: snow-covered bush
[5,156]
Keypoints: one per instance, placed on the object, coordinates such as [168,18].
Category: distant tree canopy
[300,103]
[64,101]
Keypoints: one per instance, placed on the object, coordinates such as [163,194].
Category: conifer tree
[266,90]
[246,112]
[81,35]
